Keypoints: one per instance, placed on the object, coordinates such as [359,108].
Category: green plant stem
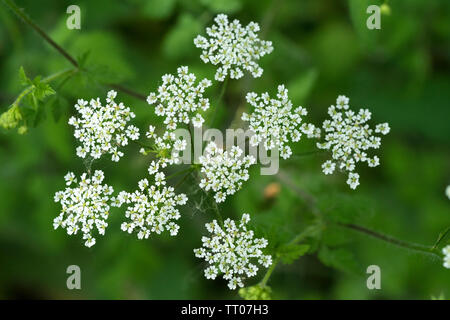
[298,238]
[312,204]
[218,100]
[397,242]
[263,282]
[179,183]
[19,12]
[217,211]
[25,18]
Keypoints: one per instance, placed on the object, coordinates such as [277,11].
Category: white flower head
[152,208]
[233,48]
[103,129]
[447,191]
[180,98]
[224,171]
[166,148]
[348,137]
[276,123]
[84,207]
[446,252]
[232,251]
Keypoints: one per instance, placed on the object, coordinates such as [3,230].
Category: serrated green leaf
[42,90]
[288,253]
[24,80]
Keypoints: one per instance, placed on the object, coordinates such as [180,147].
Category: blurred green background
[322,48]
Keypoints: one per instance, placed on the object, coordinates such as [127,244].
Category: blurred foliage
[322,49]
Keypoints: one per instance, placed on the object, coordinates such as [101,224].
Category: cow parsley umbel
[224,171]
[85,207]
[233,48]
[232,251]
[103,128]
[348,137]
[152,208]
[179,99]
[275,123]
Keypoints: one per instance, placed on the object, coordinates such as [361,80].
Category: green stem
[298,238]
[218,100]
[441,237]
[184,178]
[312,204]
[217,211]
[269,273]
[397,242]
[179,172]
[19,12]
[25,18]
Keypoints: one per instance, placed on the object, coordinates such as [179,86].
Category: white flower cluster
[447,191]
[446,252]
[179,97]
[348,136]
[224,171]
[152,208]
[166,148]
[233,48]
[102,129]
[232,251]
[275,123]
[84,206]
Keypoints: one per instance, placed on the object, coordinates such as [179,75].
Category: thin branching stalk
[26,19]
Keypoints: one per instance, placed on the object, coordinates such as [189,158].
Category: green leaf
[300,87]
[179,41]
[341,259]
[24,80]
[359,15]
[41,89]
[288,253]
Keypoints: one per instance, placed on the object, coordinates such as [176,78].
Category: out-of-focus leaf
[341,259]
[180,40]
[158,9]
[223,6]
[300,87]
[359,16]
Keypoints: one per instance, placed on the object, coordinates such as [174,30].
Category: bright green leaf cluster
[256,292]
